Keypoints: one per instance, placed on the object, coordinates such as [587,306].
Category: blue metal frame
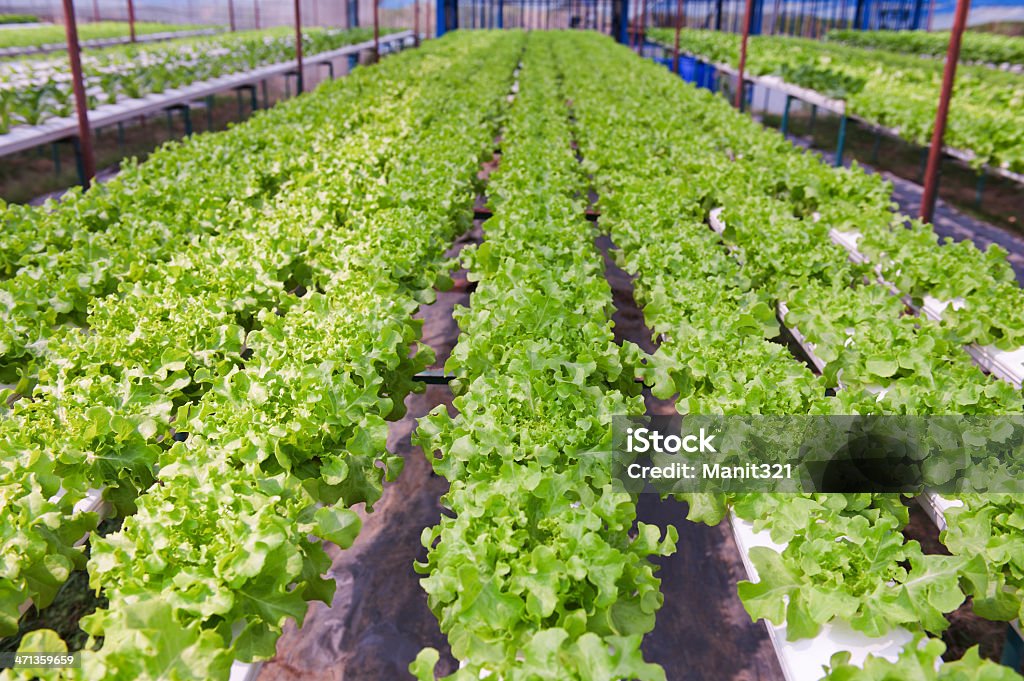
[443,7]
[624,27]
[717,14]
[757,17]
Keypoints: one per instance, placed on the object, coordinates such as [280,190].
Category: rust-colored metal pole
[131,19]
[298,46]
[81,108]
[931,173]
[376,30]
[931,14]
[416,20]
[679,29]
[642,28]
[95,10]
[231,15]
[743,53]
[256,12]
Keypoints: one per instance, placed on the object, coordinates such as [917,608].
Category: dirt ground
[379,619]
[966,629]
[702,631]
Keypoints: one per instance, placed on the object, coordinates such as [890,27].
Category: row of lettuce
[34,90]
[540,376]
[986,48]
[18,19]
[225,400]
[538,572]
[36,36]
[891,90]
[231,398]
[54,262]
[663,160]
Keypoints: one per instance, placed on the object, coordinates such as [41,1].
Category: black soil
[965,628]
[702,630]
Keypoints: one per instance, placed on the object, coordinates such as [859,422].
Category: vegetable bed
[888,89]
[219,338]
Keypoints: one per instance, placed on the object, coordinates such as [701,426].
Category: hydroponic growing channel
[354,375]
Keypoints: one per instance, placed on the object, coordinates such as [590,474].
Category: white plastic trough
[1007,365]
[24,137]
[805,660]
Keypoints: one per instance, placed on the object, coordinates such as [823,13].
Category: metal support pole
[416,21]
[87,162]
[775,17]
[376,30]
[679,28]
[641,35]
[298,48]
[186,117]
[757,18]
[931,180]
[876,146]
[743,53]
[814,117]
[81,163]
[131,19]
[784,127]
[55,150]
[841,144]
[501,14]
[864,14]
[979,188]
[95,10]
[256,13]
[619,19]
[231,15]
